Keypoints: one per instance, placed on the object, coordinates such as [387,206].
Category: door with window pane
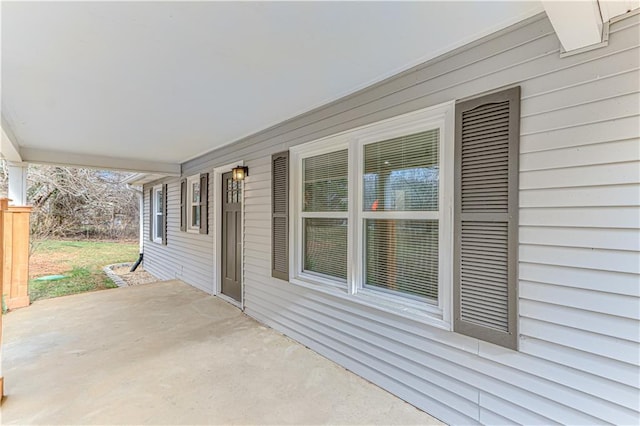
[231,237]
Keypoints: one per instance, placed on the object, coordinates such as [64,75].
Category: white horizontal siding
[627,195]
[599,174]
[581,216]
[579,240]
[602,153]
[589,238]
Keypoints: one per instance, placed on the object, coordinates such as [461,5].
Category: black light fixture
[240,172]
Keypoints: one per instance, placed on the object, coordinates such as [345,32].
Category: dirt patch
[140,276]
[48,263]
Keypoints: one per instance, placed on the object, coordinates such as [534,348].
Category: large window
[373,215]
[402,216]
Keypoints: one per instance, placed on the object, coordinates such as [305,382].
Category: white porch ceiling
[158,83]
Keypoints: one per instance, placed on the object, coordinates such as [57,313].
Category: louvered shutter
[165,197]
[204,203]
[183,205]
[486,217]
[151,214]
[280,215]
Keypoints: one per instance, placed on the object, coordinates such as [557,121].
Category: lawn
[80,261]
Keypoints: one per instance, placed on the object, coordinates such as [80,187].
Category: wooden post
[14,260]
[14,254]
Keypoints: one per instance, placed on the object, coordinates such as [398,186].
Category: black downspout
[138,262]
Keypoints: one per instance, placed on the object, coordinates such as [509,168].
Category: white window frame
[437,314]
[190,204]
[157,211]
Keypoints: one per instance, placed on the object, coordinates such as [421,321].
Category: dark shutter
[204,203]
[280,215]
[151,218]
[165,197]
[486,217]
[183,205]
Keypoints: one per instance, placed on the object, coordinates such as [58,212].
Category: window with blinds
[324,214]
[400,203]
[402,256]
[325,182]
[373,210]
[402,174]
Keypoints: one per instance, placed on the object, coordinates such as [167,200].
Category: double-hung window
[324,215]
[193,197]
[157,214]
[194,204]
[416,215]
[372,215]
[401,215]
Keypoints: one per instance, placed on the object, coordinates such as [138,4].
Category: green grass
[80,261]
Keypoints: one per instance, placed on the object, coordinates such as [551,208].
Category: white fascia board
[612,8]
[577,23]
[140,179]
[40,156]
[135,179]
[9,150]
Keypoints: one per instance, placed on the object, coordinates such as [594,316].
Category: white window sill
[411,309]
[157,240]
[193,230]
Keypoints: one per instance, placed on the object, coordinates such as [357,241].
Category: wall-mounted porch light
[240,172]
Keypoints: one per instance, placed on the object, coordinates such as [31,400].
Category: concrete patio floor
[166,353]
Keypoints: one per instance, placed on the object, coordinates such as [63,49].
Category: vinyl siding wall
[187,256]
[579,240]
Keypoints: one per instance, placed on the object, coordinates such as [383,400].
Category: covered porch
[167,353]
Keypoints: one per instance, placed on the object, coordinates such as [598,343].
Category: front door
[231,237]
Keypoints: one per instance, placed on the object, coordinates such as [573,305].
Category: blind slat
[325,182]
[402,174]
[402,256]
[325,247]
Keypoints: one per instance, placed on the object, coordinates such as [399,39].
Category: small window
[194,204]
[193,211]
[157,223]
